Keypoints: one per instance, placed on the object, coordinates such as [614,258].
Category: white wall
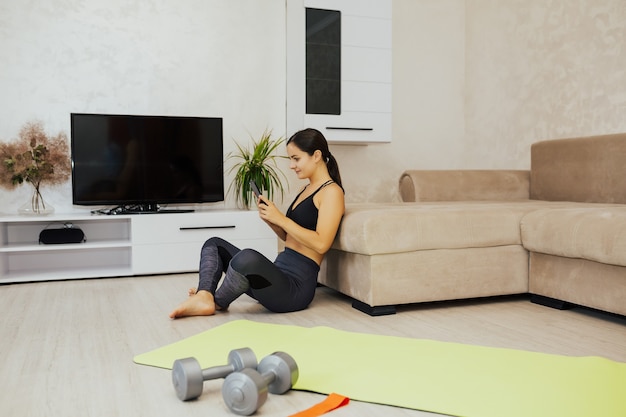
[223,58]
[428,104]
[541,70]
[475,81]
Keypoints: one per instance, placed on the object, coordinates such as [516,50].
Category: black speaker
[67,234]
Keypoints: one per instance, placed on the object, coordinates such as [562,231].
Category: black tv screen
[146,160]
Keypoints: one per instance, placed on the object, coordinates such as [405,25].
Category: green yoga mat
[440,377]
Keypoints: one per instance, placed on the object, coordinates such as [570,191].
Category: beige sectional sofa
[556,231]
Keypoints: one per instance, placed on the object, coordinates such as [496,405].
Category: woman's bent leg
[215,256]
[279,286]
[234,285]
[288,284]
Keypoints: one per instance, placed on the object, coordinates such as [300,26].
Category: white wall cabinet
[123,245]
[365,76]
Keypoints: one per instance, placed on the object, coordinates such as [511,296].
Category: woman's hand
[269,213]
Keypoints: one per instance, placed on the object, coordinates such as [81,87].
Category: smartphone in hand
[255,190]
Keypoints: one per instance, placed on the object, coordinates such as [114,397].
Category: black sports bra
[305,213]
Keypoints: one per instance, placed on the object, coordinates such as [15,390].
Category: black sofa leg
[374,311]
[550,302]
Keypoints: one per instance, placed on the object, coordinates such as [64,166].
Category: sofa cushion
[371,229]
[596,234]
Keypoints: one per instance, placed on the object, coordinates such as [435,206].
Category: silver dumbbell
[245,391]
[188,377]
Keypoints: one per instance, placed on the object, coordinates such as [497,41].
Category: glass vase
[37,206]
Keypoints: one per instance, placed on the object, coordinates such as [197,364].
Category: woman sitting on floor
[308,230]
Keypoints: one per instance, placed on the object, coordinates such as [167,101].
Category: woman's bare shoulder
[333,193]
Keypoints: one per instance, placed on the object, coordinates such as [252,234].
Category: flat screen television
[139,163]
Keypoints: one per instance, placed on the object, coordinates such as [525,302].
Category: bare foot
[199,303]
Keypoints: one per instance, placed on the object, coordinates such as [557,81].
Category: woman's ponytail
[333,169]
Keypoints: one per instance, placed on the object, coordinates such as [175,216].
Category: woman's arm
[280,232]
[330,211]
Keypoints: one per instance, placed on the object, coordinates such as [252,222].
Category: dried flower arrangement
[36,158]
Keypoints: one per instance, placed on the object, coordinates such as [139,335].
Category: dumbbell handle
[217,372]
[268,377]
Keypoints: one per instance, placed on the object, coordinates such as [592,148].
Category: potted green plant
[258,164]
[35,158]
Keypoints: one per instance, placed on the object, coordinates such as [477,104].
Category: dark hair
[311,140]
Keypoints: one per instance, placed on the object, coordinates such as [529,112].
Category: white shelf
[28,247]
[66,274]
[123,245]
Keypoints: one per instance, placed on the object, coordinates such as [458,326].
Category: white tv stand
[123,245]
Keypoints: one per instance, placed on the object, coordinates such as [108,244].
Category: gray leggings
[285,285]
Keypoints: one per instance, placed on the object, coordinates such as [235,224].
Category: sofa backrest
[590,169]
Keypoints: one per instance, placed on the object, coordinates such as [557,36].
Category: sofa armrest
[464,185]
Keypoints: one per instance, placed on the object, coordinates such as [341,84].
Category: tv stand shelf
[123,245]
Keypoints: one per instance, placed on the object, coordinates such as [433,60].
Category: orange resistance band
[332,402]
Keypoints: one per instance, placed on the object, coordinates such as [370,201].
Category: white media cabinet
[123,245]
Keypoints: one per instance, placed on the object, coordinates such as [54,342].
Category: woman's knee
[213,241]
[246,260]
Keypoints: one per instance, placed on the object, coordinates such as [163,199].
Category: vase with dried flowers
[36,158]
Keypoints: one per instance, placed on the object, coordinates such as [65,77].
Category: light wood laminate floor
[67,346]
